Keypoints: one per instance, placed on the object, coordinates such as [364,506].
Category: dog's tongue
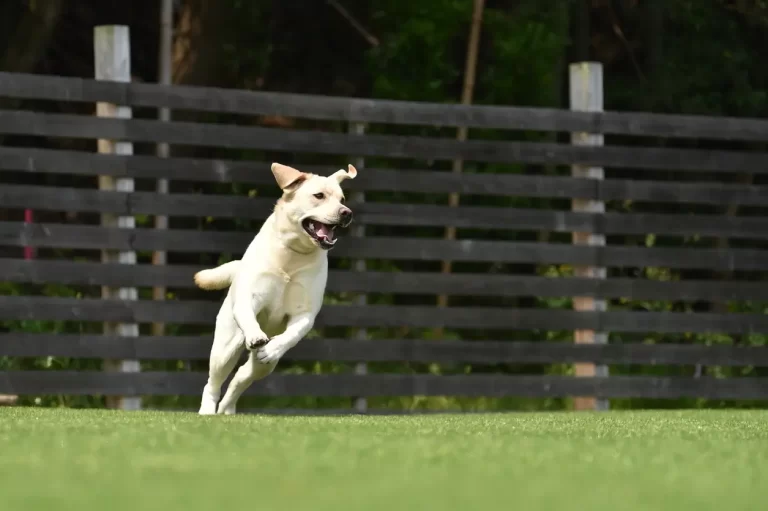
[323,230]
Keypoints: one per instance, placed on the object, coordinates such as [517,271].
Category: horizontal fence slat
[469,217]
[40,271]
[191,384]
[116,275]
[389,146]
[18,344]
[378,111]
[91,237]
[386,316]
[416,181]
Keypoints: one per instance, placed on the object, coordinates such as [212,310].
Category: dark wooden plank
[690,193]
[122,203]
[378,111]
[417,181]
[138,166]
[388,350]
[191,384]
[204,313]
[97,238]
[385,316]
[41,271]
[660,224]
[19,344]
[227,206]
[427,148]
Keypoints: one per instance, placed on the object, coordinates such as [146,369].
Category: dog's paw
[207,407]
[257,341]
[270,353]
[228,410]
[209,400]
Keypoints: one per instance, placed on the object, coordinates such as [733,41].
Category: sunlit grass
[90,459]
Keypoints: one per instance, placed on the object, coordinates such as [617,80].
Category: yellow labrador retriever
[276,289]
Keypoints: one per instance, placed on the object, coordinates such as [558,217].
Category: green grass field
[100,460]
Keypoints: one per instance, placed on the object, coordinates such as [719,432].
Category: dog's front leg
[249,299]
[298,326]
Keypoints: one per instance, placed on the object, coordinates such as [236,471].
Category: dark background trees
[685,56]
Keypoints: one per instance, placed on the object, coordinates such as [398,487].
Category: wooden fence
[711,202]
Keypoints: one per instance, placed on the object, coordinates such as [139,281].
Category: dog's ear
[341,174]
[287,177]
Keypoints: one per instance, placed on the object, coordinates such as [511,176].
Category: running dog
[276,289]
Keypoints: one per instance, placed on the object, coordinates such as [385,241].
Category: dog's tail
[217,278]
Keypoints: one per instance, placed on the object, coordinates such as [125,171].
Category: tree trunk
[196,43]
[470,73]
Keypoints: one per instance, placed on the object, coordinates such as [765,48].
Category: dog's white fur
[276,289]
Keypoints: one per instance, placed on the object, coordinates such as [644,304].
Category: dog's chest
[287,298]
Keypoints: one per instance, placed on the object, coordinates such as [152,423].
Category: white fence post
[586,91]
[112,59]
[361,368]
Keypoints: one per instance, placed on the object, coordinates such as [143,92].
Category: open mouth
[322,234]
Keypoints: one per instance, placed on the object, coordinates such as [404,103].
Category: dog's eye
[319,196]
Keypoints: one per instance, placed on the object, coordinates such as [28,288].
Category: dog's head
[314,204]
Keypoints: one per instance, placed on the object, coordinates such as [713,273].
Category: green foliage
[420,43]
[524,61]
[710,66]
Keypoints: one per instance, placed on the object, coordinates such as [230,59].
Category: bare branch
[372,40]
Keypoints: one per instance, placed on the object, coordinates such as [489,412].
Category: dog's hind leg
[227,347]
[248,373]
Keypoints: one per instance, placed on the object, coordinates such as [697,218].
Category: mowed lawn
[101,460]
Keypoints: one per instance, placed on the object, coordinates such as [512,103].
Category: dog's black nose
[346,216]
